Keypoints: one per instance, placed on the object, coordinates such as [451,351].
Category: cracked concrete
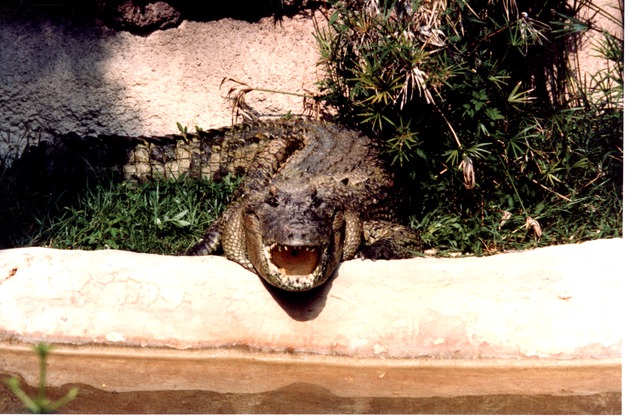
[561,302]
[540,322]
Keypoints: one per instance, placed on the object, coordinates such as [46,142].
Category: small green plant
[40,404]
[183,129]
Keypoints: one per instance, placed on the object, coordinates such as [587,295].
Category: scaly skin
[303,205]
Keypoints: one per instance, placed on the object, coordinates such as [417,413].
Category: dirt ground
[313,400]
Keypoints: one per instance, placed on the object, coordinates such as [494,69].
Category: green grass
[159,216]
[169,216]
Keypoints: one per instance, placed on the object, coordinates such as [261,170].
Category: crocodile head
[294,237]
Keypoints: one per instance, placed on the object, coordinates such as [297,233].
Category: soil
[313,400]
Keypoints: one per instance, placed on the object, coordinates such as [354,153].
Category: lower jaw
[295,283]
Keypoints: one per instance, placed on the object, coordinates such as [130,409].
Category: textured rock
[139,16]
[60,77]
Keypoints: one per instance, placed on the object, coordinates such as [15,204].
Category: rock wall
[74,76]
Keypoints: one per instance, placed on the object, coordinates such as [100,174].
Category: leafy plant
[480,116]
[40,404]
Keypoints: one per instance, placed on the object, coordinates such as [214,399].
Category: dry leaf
[532,224]
[467,168]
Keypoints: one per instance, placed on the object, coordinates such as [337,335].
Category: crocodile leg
[354,235]
[389,241]
[210,242]
[263,168]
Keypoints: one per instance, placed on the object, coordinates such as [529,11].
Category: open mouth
[294,268]
[295,260]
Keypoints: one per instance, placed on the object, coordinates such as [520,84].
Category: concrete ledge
[540,322]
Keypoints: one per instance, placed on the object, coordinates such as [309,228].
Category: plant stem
[42,351]
[509,177]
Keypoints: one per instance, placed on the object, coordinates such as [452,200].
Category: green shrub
[478,114]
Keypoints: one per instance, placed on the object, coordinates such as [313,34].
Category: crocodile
[313,193]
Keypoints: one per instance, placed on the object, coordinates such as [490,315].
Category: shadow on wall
[248,10]
[144,16]
[44,50]
[54,57]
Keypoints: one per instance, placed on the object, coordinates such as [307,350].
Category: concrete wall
[534,332]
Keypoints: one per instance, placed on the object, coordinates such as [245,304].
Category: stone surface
[61,76]
[140,17]
[475,335]
[562,302]
[64,76]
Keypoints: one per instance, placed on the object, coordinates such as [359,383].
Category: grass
[169,216]
[159,216]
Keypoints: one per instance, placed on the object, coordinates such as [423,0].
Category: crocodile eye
[272,201]
[316,201]
[272,198]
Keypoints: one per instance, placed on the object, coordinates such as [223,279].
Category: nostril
[296,237]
